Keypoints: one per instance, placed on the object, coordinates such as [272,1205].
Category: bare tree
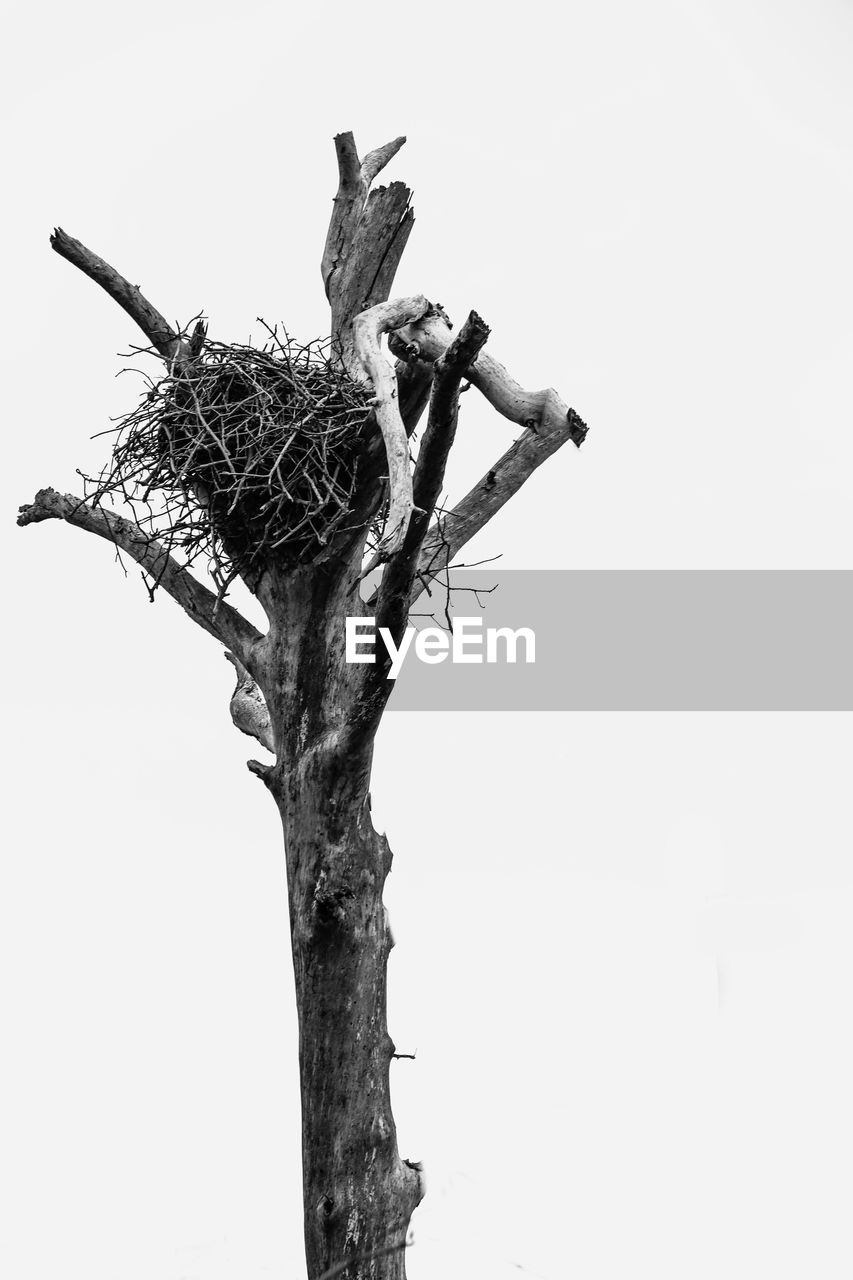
[291,467]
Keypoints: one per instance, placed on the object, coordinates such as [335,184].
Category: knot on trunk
[330,899]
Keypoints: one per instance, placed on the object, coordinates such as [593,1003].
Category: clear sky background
[624,949]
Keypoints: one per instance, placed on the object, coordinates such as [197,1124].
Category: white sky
[624,950]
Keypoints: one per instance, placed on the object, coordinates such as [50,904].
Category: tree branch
[445,539]
[366,331]
[375,161]
[392,600]
[156,328]
[430,337]
[214,616]
[450,369]
[548,421]
[414,384]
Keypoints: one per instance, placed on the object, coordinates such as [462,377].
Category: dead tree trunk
[296,694]
[358,1194]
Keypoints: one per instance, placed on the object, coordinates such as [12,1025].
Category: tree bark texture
[359,1194]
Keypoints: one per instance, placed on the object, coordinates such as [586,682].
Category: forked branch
[549,423]
[214,616]
[539,410]
[354,179]
[367,234]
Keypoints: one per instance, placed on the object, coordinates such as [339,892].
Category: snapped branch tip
[578,430]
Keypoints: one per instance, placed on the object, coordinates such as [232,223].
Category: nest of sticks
[242,456]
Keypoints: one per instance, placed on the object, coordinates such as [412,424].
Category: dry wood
[367,234]
[548,421]
[359,1194]
[156,328]
[456,364]
[450,534]
[540,410]
[367,329]
[354,179]
[215,617]
[392,604]
[414,384]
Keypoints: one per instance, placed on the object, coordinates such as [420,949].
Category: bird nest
[243,456]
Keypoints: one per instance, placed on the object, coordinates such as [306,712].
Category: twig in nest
[241,455]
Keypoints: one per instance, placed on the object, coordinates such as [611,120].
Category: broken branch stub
[450,369]
[367,234]
[392,601]
[248,707]
[542,411]
[548,421]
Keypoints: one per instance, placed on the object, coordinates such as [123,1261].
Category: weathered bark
[156,328]
[397,586]
[549,424]
[359,1194]
[368,232]
[214,616]
[367,329]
